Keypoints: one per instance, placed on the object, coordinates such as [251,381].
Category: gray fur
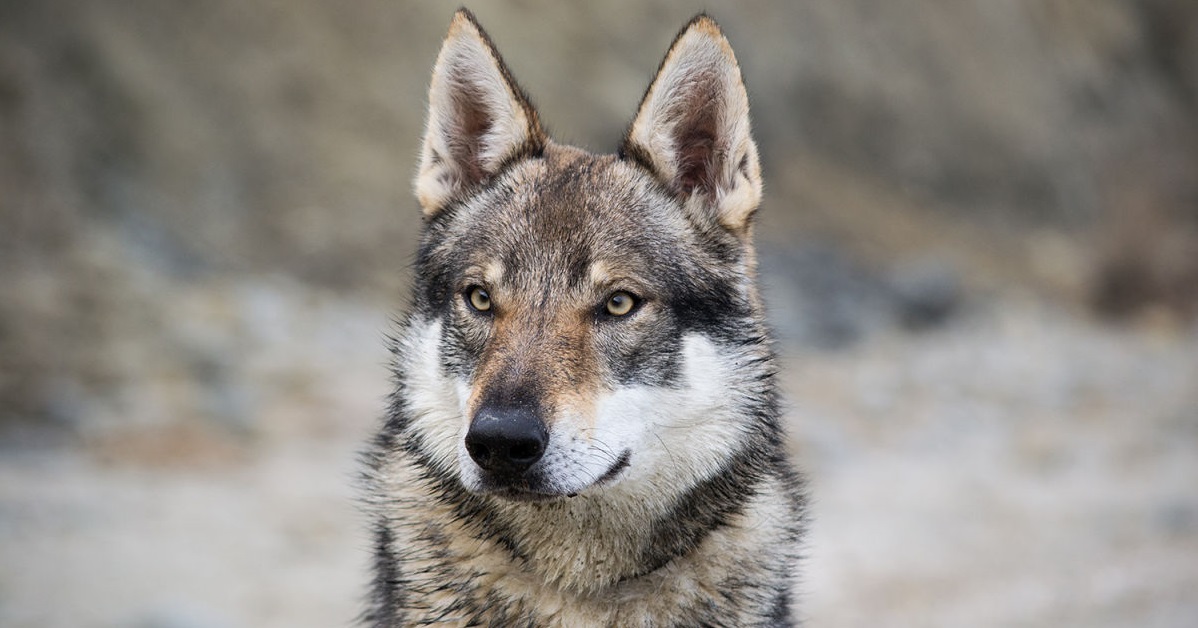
[664,496]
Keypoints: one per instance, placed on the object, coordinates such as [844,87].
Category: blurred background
[979,244]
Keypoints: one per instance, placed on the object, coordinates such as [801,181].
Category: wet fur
[665,497]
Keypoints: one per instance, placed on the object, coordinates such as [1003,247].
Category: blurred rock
[926,293]
[817,297]
[1147,253]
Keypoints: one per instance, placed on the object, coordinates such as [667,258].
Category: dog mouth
[533,487]
[616,468]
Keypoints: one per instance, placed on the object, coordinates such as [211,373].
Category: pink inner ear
[696,138]
[696,167]
[470,122]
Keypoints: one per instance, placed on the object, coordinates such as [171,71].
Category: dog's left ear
[692,129]
[478,117]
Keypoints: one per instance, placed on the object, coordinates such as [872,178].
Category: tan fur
[566,374]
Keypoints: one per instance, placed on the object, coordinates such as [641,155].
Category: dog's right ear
[478,117]
[692,129]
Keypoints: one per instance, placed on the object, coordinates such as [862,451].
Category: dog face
[584,322]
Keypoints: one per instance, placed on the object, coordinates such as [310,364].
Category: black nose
[505,440]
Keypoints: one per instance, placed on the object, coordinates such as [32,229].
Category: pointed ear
[478,117]
[692,129]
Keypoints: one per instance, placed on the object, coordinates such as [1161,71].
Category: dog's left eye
[620,304]
[478,298]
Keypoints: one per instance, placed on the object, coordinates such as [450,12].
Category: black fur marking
[578,266]
[621,463]
[654,361]
[389,593]
[631,151]
[703,509]
[780,616]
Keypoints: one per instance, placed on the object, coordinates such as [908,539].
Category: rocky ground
[1018,465]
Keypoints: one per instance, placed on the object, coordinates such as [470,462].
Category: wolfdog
[585,429]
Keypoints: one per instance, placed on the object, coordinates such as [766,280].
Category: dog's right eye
[620,304]
[478,299]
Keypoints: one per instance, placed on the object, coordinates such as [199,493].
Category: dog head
[584,322]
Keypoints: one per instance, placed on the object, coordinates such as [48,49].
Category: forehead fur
[550,220]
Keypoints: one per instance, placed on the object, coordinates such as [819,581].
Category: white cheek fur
[677,436]
[431,400]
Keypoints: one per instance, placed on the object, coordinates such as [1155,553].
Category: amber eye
[620,303]
[478,299]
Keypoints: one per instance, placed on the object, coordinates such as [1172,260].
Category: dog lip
[620,464]
[517,488]
[522,492]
